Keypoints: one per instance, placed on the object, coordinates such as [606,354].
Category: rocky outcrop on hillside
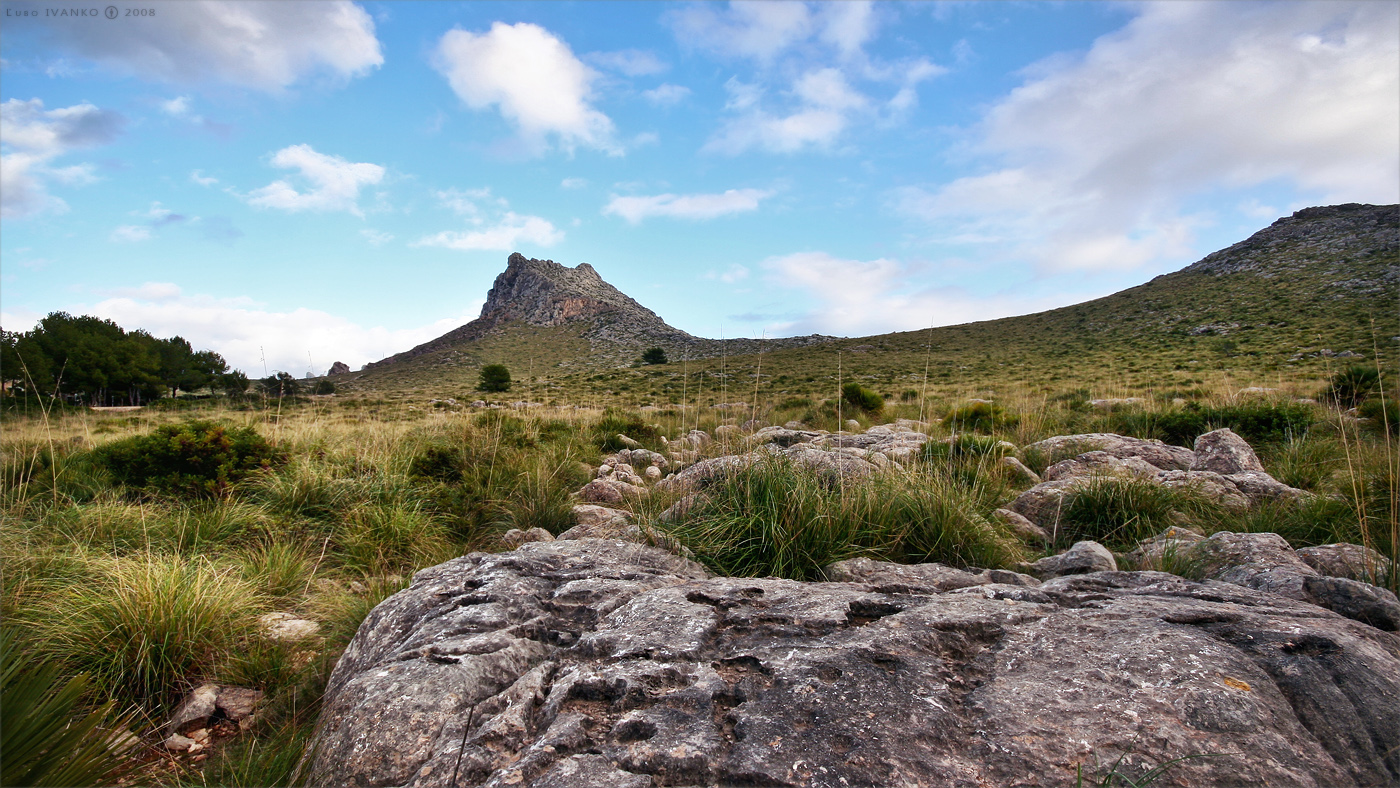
[544,293]
[1338,234]
[600,663]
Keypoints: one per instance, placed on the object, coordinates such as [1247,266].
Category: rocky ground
[588,661]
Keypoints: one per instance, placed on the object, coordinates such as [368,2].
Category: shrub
[654,355]
[324,387]
[494,378]
[198,457]
[1384,415]
[980,416]
[1351,386]
[1255,422]
[614,423]
[281,385]
[379,539]
[908,395]
[150,625]
[967,445]
[862,398]
[775,518]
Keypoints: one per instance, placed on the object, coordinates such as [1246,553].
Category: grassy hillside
[1281,310]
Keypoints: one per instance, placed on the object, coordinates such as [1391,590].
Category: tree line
[95,361]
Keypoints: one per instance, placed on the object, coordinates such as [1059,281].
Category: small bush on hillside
[1351,386]
[862,398]
[198,458]
[1384,415]
[654,355]
[613,423]
[324,387]
[281,386]
[494,378]
[1255,422]
[908,395]
[979,416]
[439,462]
[966,445]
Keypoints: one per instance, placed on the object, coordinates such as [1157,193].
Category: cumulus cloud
[533,79]
[825,105]
[264,46]
[31,137]
[334,182]
[493,226]
[686,206]
[863,297]
[1096,158]
[243,330]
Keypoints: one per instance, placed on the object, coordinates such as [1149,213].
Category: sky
[297,183]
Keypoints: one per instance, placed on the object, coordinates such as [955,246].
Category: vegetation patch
[198,457]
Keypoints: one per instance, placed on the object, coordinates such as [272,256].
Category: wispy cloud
[686,206]
[334,182]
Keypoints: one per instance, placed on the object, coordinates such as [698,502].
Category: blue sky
[296,183]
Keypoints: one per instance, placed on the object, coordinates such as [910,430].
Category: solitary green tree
[495,377]
[654,355]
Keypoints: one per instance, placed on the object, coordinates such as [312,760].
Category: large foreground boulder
[603,663]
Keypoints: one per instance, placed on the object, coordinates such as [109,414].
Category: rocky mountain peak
[545,293]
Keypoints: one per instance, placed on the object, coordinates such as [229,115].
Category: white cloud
[864,297]
[335,182]
[200,178]
[494,226]
[532,78]
[629,62]
[131,233]
[686,206]
[666,94]
[757,30]
[573,183]
[32,137]
[506,235]
[825,106]
[1098,156]
[243,330]
[176,107]
[376,238]
[266,46]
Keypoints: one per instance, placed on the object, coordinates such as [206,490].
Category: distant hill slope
[1281,305]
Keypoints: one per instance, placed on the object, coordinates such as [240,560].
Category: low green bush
[195,458]
[979,416]
[862,398]
[1260,422]
[1383,415]
[1349,387]
[614,423]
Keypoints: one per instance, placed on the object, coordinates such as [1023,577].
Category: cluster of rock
[593,663]
[1222,467]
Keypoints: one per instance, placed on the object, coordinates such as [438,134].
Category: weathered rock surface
[602,663]
[1222,468]
[1080,558]
[1351,561]
[1165,457]
[209,702]
[338,368]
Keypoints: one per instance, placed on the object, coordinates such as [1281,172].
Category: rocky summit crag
[545,294]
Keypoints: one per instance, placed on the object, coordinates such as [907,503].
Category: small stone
[653,472]
[195,710]
[200,736]
[1082,558]
[852,425]
[628,442]
[287,627]
[516,537]
[178,743]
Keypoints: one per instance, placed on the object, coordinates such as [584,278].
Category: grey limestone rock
[1224,452]
[1080,558]
[1352,561]
[1161,455]
[601,663]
